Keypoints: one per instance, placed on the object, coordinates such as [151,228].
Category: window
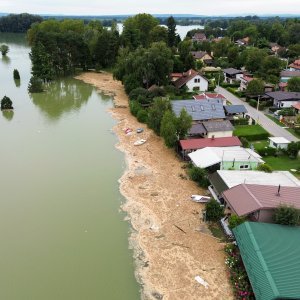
[193,108]
[244,167]
[201,107]
[197,80]
[213,107]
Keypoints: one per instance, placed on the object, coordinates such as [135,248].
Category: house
[232,75]
[202,56]
[199,37]
[204,96]
[211,109]
[286,75]
[235,110]
[278,142]
[223,180]
[275,48]
[284,99]
[258,202]
[217,129]
[188,146]
[269,87]
[271,256]
[197,130]
[191,79]
[226,158]
[295,66]
[243,42]
[244,81]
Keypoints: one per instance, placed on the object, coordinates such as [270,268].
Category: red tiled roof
[247,198]
[297,106]
[194,144]
[295,64]
[247,78]
[208,96]
[176,74]
[185,77]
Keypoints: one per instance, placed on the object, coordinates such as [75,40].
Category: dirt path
[171,243]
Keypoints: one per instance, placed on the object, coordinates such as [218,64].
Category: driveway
[258,116]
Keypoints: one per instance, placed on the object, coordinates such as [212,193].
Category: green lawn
[251,132]
[282,163]
[260,144]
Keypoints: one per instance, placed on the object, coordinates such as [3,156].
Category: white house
[284,99]
[193,80]
[278,142]
[232,75]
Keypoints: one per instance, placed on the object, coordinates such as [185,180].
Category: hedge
[251,132]
[269,151]
[240,121]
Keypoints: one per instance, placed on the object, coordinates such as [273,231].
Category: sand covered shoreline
[171,243]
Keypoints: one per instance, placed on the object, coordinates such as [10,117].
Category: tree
[156,113]
[6,103]
[4,49]
[16,74]
[35,85]
[184,123]
[171,24]
[294,84]
[214,211]
[293,149]
[255,87]
[286,215]
[265,168]
[168,129]
[159,34]
[199,175]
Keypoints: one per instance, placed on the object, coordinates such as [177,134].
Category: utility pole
[257,109]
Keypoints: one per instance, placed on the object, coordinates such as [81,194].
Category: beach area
[172,245]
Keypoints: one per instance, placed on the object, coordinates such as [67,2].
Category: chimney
[213,137]
[278,191]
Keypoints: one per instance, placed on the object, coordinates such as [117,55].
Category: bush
[16,74]
[286,215]
[268,151]
[293,149]
[6,103]
[157,92]
[265,168]
[199,175]
[135,107]
[135,93]
[142,116]
[235,220]
[214,211]
[253,103]
[35,85]
[240,121]
[287,112]
[245,142]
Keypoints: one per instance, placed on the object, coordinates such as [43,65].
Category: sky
[118,7]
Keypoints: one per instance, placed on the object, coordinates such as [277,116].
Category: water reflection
[17,82]
[13,39]
[62,96]
[8,114]
[5,59]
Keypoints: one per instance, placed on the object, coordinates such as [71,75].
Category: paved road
[258,116]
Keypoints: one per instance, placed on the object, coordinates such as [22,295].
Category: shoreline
[170,242]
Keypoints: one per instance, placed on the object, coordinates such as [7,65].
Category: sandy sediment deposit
[172,244]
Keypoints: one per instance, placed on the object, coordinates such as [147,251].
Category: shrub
[199,175]
[35,85]
[4,49]
[235,220]
[135,107]
[6,103]
[214,211]
[268,151]
[293,149]
[142,116]
[157,92]
[133,95]
[245,142]
[16,74]
[240,121]
[286,215]
[265,168]
[253,103]
[287,112]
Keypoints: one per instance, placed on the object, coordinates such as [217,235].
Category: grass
[244,130]
[282,163]
[217,231]
[293,132]
[260,144]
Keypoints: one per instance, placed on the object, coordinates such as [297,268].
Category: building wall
[265,215]
[282,146]
[218,134]
[202,85]
[226,165]
[283,104]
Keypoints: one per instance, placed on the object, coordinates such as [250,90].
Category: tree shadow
[62,96]
[8,114]
[6,59]
[17,82]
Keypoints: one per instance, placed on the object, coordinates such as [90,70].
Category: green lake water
[62,235]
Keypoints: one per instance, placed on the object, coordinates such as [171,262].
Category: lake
[62,233]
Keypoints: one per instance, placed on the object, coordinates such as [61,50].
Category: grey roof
[200,110]
[197,129]
[290,73]
[212,126]
[235,109]
[281,96]
[232,71]
[199,54]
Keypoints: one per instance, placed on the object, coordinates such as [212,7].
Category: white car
[200,198]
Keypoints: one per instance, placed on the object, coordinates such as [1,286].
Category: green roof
[271,255]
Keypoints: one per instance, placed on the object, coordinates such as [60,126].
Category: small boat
[139,130]
[139,142]
[200,198]
[128,131]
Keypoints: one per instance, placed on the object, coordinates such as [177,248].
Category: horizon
[212,8]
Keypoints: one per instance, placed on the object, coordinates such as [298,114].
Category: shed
[278,142]
[271,255]
[235,109]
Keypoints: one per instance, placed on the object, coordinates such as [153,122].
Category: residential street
[263,120]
